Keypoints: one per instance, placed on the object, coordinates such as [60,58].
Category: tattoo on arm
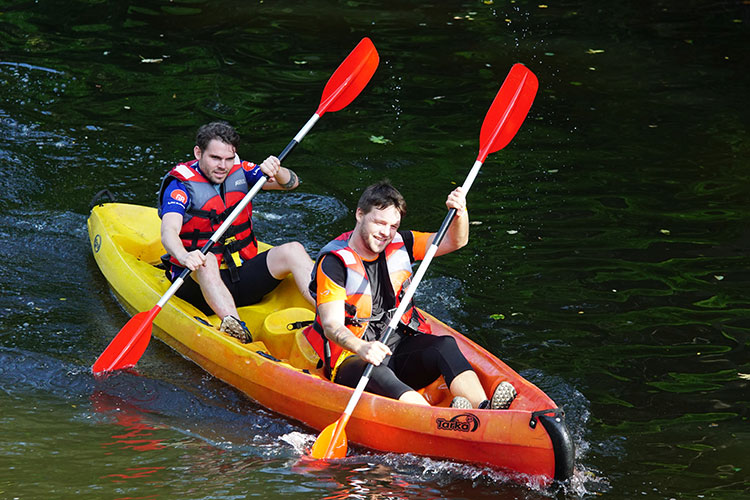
[292,180]
[343,337]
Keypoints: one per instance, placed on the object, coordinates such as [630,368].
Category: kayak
[280,370]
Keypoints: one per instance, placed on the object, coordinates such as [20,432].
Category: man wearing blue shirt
[195,198]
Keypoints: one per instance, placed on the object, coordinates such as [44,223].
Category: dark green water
[608,262]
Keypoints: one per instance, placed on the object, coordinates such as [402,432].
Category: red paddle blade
[350,77]
[129,344]
[508,110]
[331,443]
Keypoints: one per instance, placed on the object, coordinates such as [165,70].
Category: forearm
[458,232]
[342,336]
[279,177]
[287,179]
[172,242]
[457,235]
[170,239]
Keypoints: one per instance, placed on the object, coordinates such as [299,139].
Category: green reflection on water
[693,382]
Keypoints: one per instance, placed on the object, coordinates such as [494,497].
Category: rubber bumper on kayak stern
[553,422]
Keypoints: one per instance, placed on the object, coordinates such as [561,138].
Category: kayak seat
[303,356]
[281,333]
[437,393]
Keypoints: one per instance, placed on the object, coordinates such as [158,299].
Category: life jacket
[208,210]
[358,305]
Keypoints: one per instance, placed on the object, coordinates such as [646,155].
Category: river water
[608,260]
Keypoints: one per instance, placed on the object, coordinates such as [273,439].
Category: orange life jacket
[208,210]
[358,306]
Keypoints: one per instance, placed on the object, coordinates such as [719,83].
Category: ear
[197,152]
[359,214]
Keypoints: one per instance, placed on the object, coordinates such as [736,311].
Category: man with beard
[195,198]
[358,281]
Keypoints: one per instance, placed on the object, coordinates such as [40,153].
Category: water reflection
[138,435]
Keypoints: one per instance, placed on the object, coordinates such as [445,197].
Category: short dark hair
[381,195]
[221,131]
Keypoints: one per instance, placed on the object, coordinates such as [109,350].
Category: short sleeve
[330,278]
[253,173]
[416,243]
[176,198]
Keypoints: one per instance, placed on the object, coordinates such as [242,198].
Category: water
[608,260]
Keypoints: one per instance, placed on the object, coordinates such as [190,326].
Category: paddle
[343,86]
[504,118]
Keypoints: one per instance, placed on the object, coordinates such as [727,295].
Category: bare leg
[467,385]
[292,258]
[214,290]
[413,397]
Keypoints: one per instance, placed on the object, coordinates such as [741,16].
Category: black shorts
[255,282]
[417,361]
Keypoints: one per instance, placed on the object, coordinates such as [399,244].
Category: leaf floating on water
[542,6]
[577,84]
[696,447]
[379,139]
[300,62]
[511,231]
[665,231]
[497,316]
[718,277]
[743,376]
[595,51]
[151,61]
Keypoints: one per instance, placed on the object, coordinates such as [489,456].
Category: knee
[209,271]
[293,251]
[446,344]
[299,252]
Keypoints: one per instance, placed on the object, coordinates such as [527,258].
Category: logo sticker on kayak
[97,243]
[465,422]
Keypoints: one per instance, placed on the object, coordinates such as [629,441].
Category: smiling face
[375,230]
[216,160]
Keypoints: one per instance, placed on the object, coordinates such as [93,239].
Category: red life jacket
[208,210]
[358,306]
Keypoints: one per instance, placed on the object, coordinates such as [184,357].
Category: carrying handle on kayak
[343,86]
[505,116]
[552,412]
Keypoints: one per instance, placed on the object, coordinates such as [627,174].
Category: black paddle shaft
[436,241]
